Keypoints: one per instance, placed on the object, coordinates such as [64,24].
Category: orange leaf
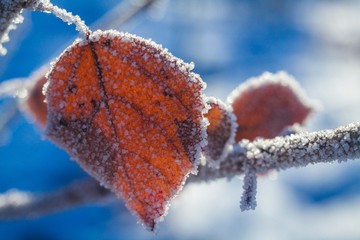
[221,131]
[131,115]
[265,106]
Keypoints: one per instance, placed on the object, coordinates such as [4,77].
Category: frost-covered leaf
[266,105]
[221,131]
[131,115]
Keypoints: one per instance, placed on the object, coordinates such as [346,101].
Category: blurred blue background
[229,41]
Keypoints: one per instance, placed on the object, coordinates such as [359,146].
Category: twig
[281,153]
[64,15]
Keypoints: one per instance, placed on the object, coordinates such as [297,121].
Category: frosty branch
[280,153]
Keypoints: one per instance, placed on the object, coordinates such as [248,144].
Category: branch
[280,153]
[17,204]
[64,15]
[259,156]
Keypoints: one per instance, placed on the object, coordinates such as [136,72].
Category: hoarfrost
[297,150]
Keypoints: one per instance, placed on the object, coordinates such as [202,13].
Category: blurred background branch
[16,204]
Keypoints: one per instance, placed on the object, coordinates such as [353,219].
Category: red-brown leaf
[131,115]
[266,105]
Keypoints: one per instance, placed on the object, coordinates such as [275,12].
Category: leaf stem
[64,15]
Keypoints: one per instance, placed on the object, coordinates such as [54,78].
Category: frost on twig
[280,153]
[10,15]
[17,204]
[66,16]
